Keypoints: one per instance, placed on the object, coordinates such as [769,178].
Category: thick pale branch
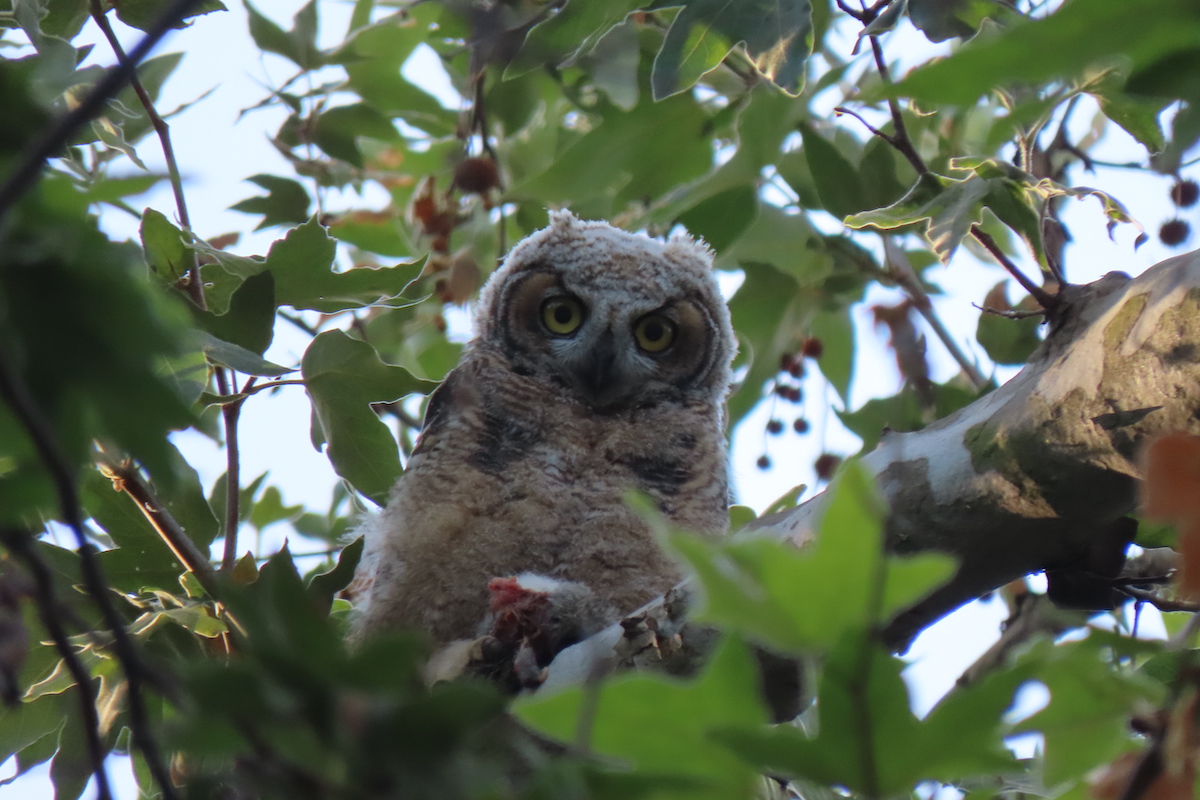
[1027,476]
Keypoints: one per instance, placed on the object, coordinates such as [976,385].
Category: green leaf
[286,201]
[904,412]
[163,244]
[788,242]
[1086,721]
[246,496]
[299,45]
[324,587]
[947,206]
[616,162]
[785,501]
[776,35]
[661,725]
[337,131]
[283,623]
[142,14]
[868,739]
[1062,44]
[1008,341]
[613,65]
[1154,534]
[111,190]
[764,305]
[836,179]
[238,358]
[940,20]
[142,558]
[573,31]
[270,509]
[1139,116]
[376,232]
[374,58]
[249,321]
[71,767]
[183,495]
[800,600]
[23,724]
[110,389]
[720,219]
[194,618]
[302,265]
[343,377]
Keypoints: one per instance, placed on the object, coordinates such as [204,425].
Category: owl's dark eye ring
[654,333]
[562,316]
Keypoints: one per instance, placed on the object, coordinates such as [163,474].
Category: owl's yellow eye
[654,333]
[562,316]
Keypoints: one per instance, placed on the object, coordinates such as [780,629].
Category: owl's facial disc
[610,355]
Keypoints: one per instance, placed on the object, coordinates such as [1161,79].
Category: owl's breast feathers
[512,475]
[503,424]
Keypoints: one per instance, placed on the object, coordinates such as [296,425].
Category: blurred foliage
[713,116]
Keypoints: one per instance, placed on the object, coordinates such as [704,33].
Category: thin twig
[900,139]
[396,409]
[1158,601]
[861,16]
[60,132]
[195,285]
[1044,298]
[230,413]
[1012,314]
[126,479]
[903,273]
[225,399]
[875,131]
[45,441]
[299,323]
[19,543]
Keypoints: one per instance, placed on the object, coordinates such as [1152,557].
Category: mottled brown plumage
[566,399]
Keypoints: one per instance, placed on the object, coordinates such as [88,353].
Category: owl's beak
[599,375]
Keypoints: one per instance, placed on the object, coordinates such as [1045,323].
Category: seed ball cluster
[792,371]
[1175,232]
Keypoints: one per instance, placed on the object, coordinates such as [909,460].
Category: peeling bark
[1025,477]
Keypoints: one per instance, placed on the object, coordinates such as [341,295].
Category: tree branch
[19,543]
[58,133]
[230,413]
[25,409]
[126,479]
[1044,298]
[1023,477]
[1157,600]
[195,285]
[902,272]
[900,140]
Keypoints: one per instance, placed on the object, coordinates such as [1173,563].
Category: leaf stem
[230,413]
